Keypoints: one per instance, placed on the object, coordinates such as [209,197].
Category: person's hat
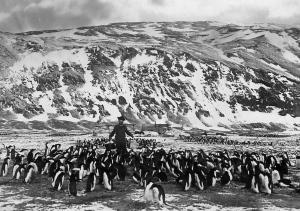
[121,118]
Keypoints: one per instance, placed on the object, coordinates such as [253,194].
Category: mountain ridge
[194,74]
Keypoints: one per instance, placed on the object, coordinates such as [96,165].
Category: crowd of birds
[260,172]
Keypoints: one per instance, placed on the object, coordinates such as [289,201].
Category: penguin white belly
[15,169]
[107,185]
[254,186]
[155,193]
[275,176]
[29,175]
[54,179]
[148,194]
[60,184]
[17,175]
[214,181]
[93,184]
[46,168]
[266,185]
[5,170]
[35,168]
[198,181]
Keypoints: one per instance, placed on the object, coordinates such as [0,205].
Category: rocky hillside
[196,74]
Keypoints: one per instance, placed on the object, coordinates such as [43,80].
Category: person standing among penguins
[120,130]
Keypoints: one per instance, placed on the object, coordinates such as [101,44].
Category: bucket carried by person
[298,162]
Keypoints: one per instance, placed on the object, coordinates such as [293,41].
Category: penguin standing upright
[5,165]
[226,177]
[13,153]
[30,156]
[91,182]
[58,179]
[107,179]
[249,178]
[162,176]
[187,180]
[201,180]
[136,177]
[121,171]
[18,170]
[212,177]
[72,187]
[244,173]
[268,184]
[29,174]
[257,180]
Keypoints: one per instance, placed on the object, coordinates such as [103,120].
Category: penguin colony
[259,172]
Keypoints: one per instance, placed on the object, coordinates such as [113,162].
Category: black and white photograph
[138,105]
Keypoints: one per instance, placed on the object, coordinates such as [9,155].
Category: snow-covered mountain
[197,74]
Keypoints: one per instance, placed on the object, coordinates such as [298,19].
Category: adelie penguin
[162,176]
[212,177]
[257,181]
[267,182]
[154,193]
[108,181]
[201,180]
[187,180]
[72,186]
[29,174]
[121,172]
[136,177]
[5,165]
[227,176]
[17,170]
[58,180]
[91,182]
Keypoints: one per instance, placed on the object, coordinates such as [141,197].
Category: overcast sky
[29,15]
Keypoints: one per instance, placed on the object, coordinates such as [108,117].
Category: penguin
[91,182]
[244,174]
[18,159]
[8,151]
[35,168]
[15,167]
[13,153]
[212,177]
[79,173]
[162,176]
[187,180]
[257,180]
[72,185]
[267,182]
[99,170]
[121,171]
[46,150]
[30,155]
[227,176]
[249,178]
[18,171]
[158,194]
[201,180]
[278,181]
[108,182]
[24,152]
[136,177]
[58,180]
[45,166]
[154,193]
[29,174]
[5,165]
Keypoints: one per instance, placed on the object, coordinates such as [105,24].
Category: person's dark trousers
[121,148]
